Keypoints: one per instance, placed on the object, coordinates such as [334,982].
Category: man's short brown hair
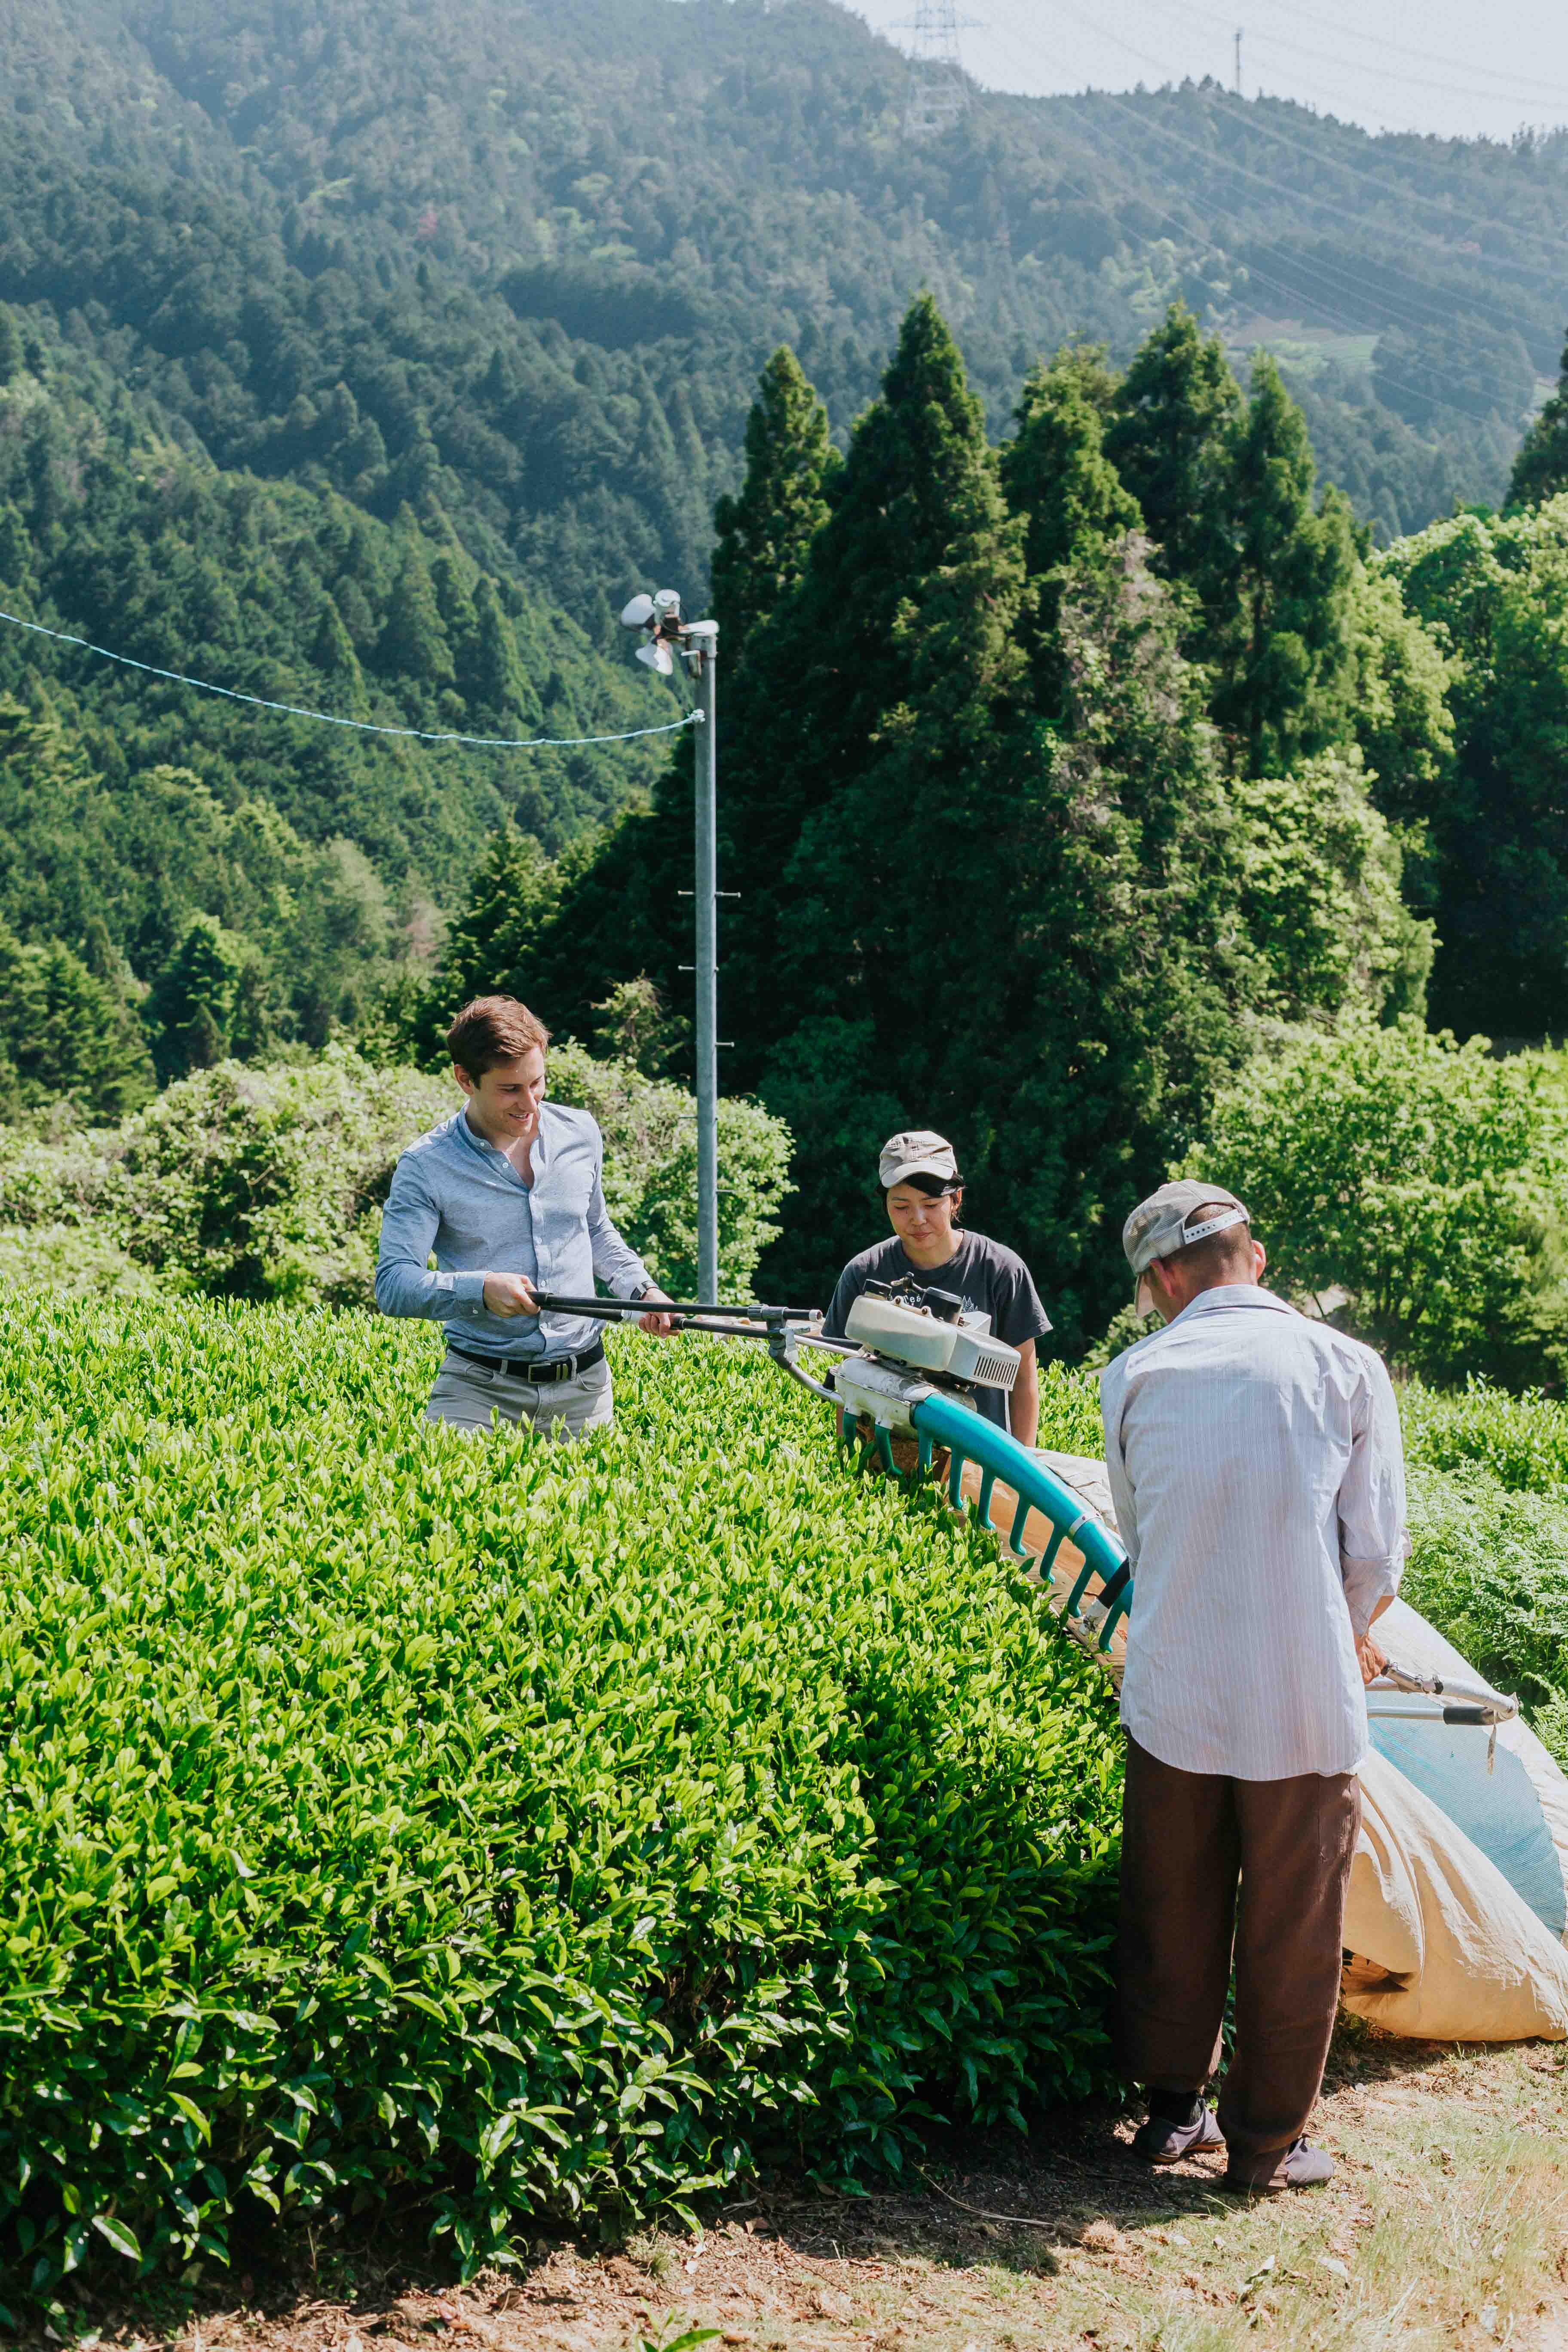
[492,1029]
[1216,1253]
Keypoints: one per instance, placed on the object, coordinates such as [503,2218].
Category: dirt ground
[1446,2226]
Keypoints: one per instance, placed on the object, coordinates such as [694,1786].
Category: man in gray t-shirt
[923,1192]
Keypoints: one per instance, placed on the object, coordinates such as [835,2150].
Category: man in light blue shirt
[509,1196]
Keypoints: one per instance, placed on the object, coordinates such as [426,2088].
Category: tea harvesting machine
[907,1372]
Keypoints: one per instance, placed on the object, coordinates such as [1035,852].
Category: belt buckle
[563,1369]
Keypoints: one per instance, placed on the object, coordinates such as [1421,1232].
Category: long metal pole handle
[609,1310]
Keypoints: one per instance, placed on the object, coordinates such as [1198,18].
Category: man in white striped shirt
[1258,1472]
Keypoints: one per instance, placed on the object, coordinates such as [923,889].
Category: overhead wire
[1343,31]
[1340,279]
[1324,159]
[1379,73]
[358,726]
[1411,237]
[1327,158]
[1349,281]
[1292,293]
[1295,293]
[1293,262]
[1144,57]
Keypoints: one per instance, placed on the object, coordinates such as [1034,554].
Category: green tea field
[527,1848]
[394,1821]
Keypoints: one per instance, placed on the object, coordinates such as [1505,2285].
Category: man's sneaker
[1160,2141]
[1302,2166]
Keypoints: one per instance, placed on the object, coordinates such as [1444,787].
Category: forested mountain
[546,249]
[366,357]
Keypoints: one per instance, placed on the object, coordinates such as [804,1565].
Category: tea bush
[495,1828]
[1489,1531]
[1521,1441]
[1490,1570]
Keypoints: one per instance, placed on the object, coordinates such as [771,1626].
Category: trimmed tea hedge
[495,1828]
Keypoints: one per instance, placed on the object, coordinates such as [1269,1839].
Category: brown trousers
[1189,1840]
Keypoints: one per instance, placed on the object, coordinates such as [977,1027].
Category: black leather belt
[538,1374]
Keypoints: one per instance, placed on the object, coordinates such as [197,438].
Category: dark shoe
[1160,2141]
[1302,2166]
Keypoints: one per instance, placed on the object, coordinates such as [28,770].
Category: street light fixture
[697,643]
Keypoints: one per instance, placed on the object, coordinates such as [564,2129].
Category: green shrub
[248,1183]
[44,1182]
[69,1258]
[500,1829]
[1522,1441]
[1490,1569]
[650,1169]
[1421,1177]
[253,1184]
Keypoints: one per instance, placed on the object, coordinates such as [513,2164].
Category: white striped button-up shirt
[1258,1475]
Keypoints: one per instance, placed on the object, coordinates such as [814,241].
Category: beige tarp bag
[1444,1948]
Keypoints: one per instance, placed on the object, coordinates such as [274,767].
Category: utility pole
[705,882]
[938,91]
[697,643]
[1238,31]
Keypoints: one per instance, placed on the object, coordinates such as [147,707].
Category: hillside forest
[1134,525]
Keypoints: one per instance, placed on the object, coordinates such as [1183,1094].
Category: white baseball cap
[917,1152]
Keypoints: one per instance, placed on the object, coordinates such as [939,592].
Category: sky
[1476,67]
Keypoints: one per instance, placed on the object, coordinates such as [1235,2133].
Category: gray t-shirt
[990,1279]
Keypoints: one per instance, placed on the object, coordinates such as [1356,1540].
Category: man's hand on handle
[1371,1658]
[658,1325]
[512,1293]
[508,1293]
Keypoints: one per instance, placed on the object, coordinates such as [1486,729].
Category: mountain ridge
[378,312]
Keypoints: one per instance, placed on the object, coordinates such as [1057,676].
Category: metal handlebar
[752,1321]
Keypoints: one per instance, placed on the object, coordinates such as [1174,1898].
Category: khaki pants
[470,1396]
[1209,1864]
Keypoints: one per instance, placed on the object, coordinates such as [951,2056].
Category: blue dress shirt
[457,1196]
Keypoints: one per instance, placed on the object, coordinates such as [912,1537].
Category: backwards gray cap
[1160,1226]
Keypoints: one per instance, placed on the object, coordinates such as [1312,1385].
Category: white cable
[359,726]
[1292,293]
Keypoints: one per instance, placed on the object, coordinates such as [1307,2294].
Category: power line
[1298,196]
[1302,267]
[1343,31]
[1292,293]
[1376,180]
[1381,73]
[359,726]
[1406,309]
[1295,292]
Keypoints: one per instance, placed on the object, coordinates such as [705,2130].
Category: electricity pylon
[938,92]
